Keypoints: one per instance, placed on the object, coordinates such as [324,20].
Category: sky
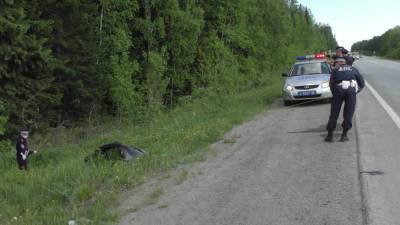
[355,20]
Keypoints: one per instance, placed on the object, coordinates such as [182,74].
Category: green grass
[60,187]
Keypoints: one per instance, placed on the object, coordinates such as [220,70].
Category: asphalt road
[384,76]
[279,171]
[379,141]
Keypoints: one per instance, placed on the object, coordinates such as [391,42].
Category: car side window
[325,68]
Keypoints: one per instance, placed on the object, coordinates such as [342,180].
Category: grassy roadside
[60,186]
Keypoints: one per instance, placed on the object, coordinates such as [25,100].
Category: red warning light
[320,56]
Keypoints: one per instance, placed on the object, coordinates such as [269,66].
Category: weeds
[229,141]
[182,176]
[60,186]
[155,195]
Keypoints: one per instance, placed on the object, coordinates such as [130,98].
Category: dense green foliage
[68,62]
[386,45]
[187,70]
[60,186]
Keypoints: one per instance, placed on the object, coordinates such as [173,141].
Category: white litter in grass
[71,222]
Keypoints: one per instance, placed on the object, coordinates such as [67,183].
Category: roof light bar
[311,57]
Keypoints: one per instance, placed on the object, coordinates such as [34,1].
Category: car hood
[308,79]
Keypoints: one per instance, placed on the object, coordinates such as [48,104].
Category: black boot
[329,137]
[344,137]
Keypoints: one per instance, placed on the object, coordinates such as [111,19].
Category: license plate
[306,93]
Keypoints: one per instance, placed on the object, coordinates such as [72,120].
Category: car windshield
[310,68]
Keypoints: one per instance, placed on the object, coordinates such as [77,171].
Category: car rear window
[310,68]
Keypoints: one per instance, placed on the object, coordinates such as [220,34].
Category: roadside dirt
[274,169]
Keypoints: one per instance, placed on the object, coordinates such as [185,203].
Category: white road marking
[385,105]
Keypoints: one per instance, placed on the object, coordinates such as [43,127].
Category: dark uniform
[349,59]
[344,83]
[22,153]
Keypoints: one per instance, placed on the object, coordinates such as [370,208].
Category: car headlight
[289,88]
[325,85]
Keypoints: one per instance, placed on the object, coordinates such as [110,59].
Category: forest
[385,45]
[168,76]
[77,62]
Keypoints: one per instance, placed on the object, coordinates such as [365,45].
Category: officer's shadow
[321,130]
[311,103]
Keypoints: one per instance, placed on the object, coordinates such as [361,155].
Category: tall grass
[60,186]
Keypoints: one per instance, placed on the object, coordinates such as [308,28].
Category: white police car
[308,79]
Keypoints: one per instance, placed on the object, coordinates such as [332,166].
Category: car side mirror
[284,74]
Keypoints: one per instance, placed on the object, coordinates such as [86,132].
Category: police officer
[341,52]
[345,83]
[22,150]
[349,59]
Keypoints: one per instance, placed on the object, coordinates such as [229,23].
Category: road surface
[378,126]
[279,171]
[384,76]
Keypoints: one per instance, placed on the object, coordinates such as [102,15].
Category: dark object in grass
[115,151]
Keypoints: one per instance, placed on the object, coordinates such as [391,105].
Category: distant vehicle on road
[356,55]
[308,79]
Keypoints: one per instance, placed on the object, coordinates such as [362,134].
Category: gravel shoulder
[273,170]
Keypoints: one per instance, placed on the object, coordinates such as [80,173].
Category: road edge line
[389,110]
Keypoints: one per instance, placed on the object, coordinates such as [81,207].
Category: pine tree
[74,43]
[26,67]
[3,118]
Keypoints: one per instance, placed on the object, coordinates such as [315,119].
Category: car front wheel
[287,102]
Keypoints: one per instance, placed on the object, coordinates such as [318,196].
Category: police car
[308,79]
